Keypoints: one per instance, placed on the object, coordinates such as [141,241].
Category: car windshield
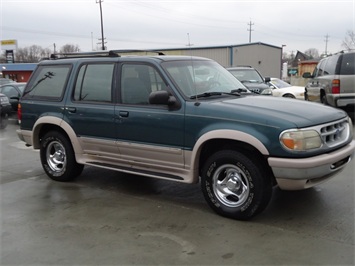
[247,75]
[200,77]
[278,83]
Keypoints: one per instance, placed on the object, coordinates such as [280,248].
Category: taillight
[19,113]
[335,86]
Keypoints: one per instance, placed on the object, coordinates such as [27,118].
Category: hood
[281,112]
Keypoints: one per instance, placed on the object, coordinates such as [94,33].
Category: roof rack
[104,53]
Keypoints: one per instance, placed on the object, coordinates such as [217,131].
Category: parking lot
[109,218]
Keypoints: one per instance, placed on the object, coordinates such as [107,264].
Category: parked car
[280,88]
[333,81]
[5,81]
[13,91]
[5,110]
[251,78]
[146,115]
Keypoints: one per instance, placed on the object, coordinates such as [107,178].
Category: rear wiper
[209,94]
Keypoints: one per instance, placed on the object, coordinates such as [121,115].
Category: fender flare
[52,120]
[223,134]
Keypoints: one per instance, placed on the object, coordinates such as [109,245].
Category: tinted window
[320,68]
[329,68]
[94,83]
[48,83]
[9,91]
[347,64]
[138,81]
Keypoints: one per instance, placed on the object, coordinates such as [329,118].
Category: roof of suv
[113,56]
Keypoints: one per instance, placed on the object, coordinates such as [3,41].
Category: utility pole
[326,44]
[102,25]
[250,30]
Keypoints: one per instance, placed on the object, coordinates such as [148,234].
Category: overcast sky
[147,24]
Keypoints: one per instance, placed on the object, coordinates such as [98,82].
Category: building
[19,72]
[264,57]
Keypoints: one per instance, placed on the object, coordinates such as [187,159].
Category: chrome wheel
[56,157]
[230,185]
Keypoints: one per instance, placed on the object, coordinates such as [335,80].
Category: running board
[130,170]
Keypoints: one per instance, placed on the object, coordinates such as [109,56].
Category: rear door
[90,110]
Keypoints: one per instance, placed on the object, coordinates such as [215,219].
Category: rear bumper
[297,174]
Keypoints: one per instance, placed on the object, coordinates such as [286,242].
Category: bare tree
[312,53]
[349,40]
[31,54]
[69,48]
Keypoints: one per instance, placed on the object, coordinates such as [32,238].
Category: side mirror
[267,79]
[161,97]
[307,75]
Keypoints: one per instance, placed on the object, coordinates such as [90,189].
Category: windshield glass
[278,83]
[194,77]
[247,75]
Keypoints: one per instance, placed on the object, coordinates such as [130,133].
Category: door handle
[71,109]
[123,113]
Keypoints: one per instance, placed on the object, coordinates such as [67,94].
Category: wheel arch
[48,123]
[214,141]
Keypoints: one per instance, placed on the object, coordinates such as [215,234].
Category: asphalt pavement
[109,218]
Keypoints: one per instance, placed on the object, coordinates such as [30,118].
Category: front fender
[194,155]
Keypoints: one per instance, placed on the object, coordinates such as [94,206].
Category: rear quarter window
[48,83]
[347,64]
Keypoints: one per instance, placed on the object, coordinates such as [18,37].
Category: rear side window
[347,64]
[319,70]
[48,83]
[330,66]
[94,83]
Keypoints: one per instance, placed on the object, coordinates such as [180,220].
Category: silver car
[333,81]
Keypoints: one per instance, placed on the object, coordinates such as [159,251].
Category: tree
[69,48]
[349,40]
[312,53]
[31,54]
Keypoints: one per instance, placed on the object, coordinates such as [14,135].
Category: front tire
[234,186]
[57,157]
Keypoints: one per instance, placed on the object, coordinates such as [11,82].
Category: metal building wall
[266,59]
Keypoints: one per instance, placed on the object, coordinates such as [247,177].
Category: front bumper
[297,174]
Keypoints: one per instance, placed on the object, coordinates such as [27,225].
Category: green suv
[183,119]
[333,81]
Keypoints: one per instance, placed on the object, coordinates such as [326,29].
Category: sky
[159,24]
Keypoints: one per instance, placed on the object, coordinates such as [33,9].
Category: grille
[335,133]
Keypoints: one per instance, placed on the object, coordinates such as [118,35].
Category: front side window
[138,81]
[94,83]
[48,82]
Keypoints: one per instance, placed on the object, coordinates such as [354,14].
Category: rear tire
[58,158]
[234,186]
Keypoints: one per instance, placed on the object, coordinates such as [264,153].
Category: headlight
[300,140]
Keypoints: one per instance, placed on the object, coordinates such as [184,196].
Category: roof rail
[103,53]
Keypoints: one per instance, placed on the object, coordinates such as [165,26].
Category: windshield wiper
[214,93]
